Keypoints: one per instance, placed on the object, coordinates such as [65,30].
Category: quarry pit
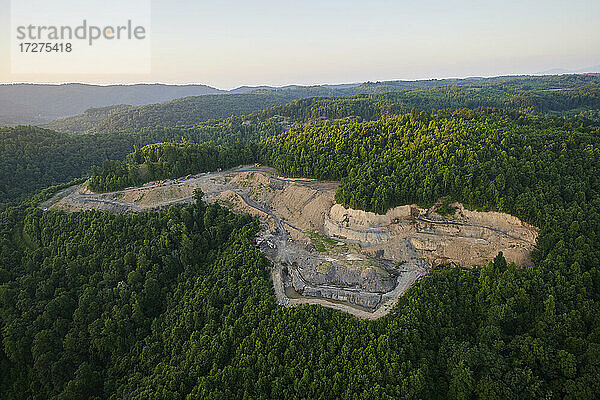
[323,253]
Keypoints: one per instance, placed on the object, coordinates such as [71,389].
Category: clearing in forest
[323,253]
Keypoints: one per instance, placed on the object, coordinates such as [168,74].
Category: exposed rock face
[362,298]
[324,253]
[359,279]
[465,238]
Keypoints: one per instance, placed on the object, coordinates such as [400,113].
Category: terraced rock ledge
[350,260]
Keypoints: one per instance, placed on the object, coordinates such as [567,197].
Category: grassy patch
[321,242]
[324,267]
[446,208]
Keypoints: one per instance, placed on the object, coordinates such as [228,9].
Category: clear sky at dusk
[231,43]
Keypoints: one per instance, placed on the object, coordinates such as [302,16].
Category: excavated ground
[323,253]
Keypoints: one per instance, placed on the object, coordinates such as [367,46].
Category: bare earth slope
[323,253]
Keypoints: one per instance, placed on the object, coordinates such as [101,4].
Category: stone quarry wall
[376,258]
[466,238]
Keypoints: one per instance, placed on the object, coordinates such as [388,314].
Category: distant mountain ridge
[39,104]
[558,71]
[536,94]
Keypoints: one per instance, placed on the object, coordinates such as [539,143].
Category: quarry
[323,253]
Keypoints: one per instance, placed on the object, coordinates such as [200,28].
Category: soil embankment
[323,253]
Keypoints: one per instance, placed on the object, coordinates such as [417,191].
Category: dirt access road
[168,192]
[323,253]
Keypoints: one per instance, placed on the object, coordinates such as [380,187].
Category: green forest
[561,95]
[178,303]
[33,158]
[167,160]
[580,102]
[190,110]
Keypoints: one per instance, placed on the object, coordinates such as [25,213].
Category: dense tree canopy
[566,101]
[83,316]
[178,304]
[32,158]
[191,110]
[168,160]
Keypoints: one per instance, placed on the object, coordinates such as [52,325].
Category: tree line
[33,158]
[178,304]
[167,160]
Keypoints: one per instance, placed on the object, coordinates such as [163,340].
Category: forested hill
[87,121]
[25,103]
[582,101]
[32,158]
[31,161]
[178,304]
[192,110]
[564,95]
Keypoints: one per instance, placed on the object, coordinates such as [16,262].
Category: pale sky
[226,44]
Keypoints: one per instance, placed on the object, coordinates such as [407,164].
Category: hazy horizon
[290,84]
[232,44]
